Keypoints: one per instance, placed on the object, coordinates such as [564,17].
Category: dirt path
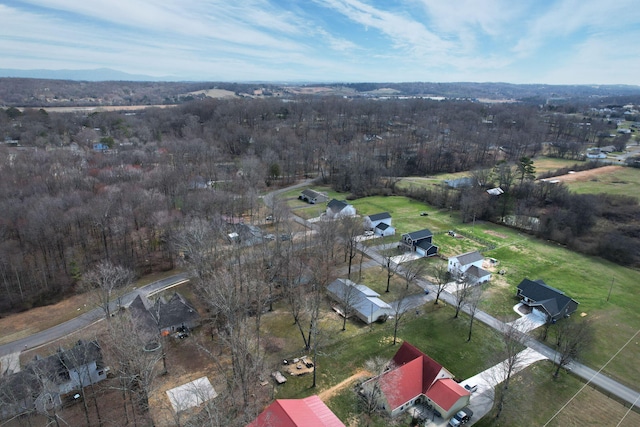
[584,175]
[329,393]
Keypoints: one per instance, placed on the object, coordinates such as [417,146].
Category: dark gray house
[163,317]
[549,302]
[44,383]
[420,242]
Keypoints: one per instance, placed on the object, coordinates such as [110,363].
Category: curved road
[86,319]
[606,384]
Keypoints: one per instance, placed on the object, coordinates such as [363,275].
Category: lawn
[519,255]
[342,354]
[535,398]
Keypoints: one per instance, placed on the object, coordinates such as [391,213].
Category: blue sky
[516,41]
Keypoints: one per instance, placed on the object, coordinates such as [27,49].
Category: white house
[365,302]
[384,229]
[470,265]
[337,209]
[372,221]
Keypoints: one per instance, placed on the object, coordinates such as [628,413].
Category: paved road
[85,319]
[601,381]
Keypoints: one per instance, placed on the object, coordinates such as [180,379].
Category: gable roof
[311,193]
[412,373]
[446,392]
[551,299]
[379,216]
[419,235]
[175,311]
[363,299]
[469,257]
[83,353]
[307,412]
[477,272]
[336,205]
[162,314]
[383,226]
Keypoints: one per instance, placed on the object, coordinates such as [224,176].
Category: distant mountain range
[95,75]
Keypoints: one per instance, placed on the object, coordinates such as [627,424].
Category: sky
[513,41]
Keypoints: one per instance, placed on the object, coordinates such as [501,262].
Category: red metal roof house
[415,378]
[307,412]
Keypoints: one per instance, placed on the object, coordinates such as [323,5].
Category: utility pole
[610,288]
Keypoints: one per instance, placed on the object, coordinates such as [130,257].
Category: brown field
[586,175]
[98,108]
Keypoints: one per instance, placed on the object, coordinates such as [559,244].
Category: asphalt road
[606,384]
[85,319]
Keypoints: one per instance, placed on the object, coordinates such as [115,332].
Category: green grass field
[343,353]
[586,279]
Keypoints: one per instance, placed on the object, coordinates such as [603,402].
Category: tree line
[81,188]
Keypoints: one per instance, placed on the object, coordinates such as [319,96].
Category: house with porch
[550,303]
[420,242]
[468,265]
[413,378]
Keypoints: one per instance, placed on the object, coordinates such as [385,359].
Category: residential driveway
[410,303]
[527,322]
[481,401]
[405,257]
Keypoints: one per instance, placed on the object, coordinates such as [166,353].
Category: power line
[590,379]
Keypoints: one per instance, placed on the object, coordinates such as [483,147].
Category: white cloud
[329,40]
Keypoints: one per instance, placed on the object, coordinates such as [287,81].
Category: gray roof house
[45,382]
[371,221]
[163,316]
[312,196]
[384,229]
[420,242]
[337,209]
[365,302]
[551,303]
[469,265]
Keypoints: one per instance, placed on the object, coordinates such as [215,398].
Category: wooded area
[81,188]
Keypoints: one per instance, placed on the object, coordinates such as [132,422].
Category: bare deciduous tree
[512,344]
[573,336]
[473,301]
[440,276]
[461,293]
[107,281]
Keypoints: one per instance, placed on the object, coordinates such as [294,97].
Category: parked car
[285,237]
[471,388]
[462,417]
[368,233]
